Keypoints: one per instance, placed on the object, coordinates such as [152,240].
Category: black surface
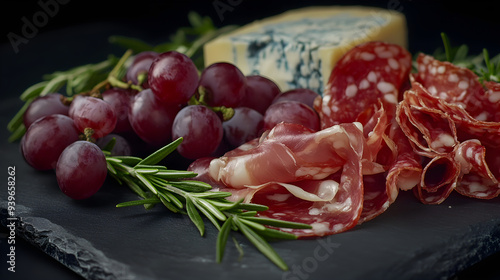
[409,241]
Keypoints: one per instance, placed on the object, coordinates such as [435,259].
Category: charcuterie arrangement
[276,147]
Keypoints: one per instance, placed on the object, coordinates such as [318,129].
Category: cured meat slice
[288,153]
[406,170]
[439,179]
[301,175]
[466,126]
[492,106]
[452,126]
[376,197]
[457,85]
[431,130]
[476,178]
[364,75]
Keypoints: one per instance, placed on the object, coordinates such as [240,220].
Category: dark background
[77,34]
[85,26]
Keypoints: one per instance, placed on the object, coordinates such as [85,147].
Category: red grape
[201,129]
[291,112]
[245,125]
[152,120]
[96,114]
[140,65]
[259,94]
[119,99]
[46,138]
[173,77]
[75,104]
[81,170]
[44,106]
[303,95]
[224,85]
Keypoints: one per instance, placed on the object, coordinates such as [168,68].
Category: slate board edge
[73,252]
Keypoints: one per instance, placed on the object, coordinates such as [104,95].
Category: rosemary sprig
[75,80]
[156,184]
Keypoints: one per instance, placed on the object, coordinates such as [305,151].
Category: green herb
[156,184]
[79,79]
[487,69]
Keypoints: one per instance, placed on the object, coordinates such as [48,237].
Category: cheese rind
[299,48]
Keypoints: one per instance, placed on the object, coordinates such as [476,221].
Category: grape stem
[114,76]
[87,134]
[226,112]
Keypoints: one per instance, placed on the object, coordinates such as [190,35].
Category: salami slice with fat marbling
[367,73]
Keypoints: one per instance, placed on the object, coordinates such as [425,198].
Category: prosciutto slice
[301,175]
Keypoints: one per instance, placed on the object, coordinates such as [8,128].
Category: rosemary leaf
[147,183]
[110,145]
[33,91]
[195,216]
[152,200]
[261,244]
[209,207]
[190,186]
[17,133]
[128,160]
[207,214]
[278,223]
[254,225]
[222,239]
[175,174]
[270,233]
[135,187]
[111,168]
[146,170]
[17,120]
[167,203]
[213,194]
[252,207]
[160,154]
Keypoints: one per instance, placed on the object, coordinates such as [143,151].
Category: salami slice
[364,75]
[476,178]
[430,129]
[406,170]
[450,120]
[454,84]
[439,178]
[491,106]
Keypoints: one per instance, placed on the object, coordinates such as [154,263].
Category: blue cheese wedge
[299,48]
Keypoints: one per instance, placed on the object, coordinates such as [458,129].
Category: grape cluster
[213,111]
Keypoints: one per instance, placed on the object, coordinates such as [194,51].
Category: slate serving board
[99,241]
